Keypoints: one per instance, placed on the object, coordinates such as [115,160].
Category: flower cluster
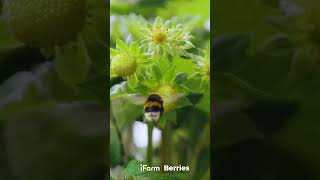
[160,39]
[159,63]
[166,38]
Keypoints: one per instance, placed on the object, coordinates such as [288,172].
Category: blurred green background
[266,89]
[53,100]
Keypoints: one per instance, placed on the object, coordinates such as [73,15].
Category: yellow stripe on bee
[152,103]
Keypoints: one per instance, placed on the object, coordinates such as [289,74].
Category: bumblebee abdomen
[153,106]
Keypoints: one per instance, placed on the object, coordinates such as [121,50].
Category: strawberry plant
[167,56]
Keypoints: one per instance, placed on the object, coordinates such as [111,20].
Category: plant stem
[122,151]
[166,146]
[150,148]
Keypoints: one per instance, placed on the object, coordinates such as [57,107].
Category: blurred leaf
[168,117]
[194,83]
[234,127]
[300,135]
[285,24]
[231,87]
[270,116]
[72,63]
[128,112]
[181,78]
[304,74]
[134,24]
[115,151]
[72,143]
[96,37]
[278,45]
[156,72]
[135,48]
[97,87]
[169,75]
[230,51]
[205,102]
[270,72]
[182,102]
[7,39]
[253,21]
[121,45]
[158,22]
[133,81]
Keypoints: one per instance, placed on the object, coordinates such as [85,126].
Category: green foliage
[53,99]
[75,58]
[266,83]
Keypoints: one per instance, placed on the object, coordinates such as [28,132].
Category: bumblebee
[153,108]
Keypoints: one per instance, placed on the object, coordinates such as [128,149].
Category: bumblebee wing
[136,99]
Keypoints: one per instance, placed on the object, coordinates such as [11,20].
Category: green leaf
[128,112]
[194,82]
[142,89]
[121,45]
[188,45]
[170,74]
[182,102]
[113,52]
[134,47]
[133,81]
[156,72]
[158,22]
[168,49]
[181,78]
[72,63]
[168,117]
[115,151]
[149,26]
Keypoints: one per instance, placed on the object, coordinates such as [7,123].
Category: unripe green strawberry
[124,64]
[45,23]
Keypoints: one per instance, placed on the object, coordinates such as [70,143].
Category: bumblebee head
[155,98]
